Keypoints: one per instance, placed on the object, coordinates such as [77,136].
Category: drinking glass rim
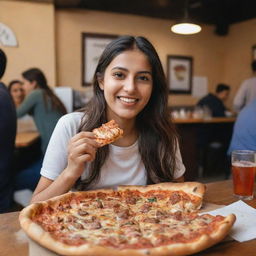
[243,151]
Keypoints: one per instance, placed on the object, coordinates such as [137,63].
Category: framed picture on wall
[179,74]
[254,52]
[92,47]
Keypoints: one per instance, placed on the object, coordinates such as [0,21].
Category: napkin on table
[244,228]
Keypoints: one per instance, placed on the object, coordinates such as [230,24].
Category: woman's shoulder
[71,120]
[37,92]
[73,117]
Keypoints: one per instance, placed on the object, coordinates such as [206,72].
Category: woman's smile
[128,100]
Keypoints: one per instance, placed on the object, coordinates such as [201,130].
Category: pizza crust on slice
[108,133]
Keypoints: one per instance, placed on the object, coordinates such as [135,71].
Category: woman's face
[127,84]
[28,86]
[17,93]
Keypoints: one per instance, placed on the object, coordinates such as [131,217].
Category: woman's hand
[81,149]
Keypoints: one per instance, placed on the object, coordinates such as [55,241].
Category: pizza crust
[194,188]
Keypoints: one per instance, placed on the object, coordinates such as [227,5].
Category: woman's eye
[144,78]
[118,75]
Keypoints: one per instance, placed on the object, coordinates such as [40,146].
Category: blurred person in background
[7,139]
[26,123]
[247,91]
[46,109]
[215,102]
[213,139]
[244,133]
[16,90]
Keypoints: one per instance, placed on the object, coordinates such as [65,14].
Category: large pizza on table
[160,219]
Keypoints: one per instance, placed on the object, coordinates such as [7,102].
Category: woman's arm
[81,149]
[28,104]
[180,179]
[46,189]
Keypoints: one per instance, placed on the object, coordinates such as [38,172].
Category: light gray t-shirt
[245,94]
[123,165]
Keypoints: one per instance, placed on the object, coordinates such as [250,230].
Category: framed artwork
[92,47]
[179,74]
[254,52]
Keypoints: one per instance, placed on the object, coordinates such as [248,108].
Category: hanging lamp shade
[186,26]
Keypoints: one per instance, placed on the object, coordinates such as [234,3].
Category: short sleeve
[180,168]
[55,159]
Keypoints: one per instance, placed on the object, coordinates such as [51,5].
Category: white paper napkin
[244,228]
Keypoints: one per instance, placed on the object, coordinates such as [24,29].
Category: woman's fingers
[82,149]
[84,137]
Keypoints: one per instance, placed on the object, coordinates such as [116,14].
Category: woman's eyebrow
[125,69]
[143,72]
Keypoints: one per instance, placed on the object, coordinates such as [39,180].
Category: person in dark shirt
[8,122]
[215,102]
[213,139]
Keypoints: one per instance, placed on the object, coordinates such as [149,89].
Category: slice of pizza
[108,133]
[185,197]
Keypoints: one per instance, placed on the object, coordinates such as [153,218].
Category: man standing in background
[246,92]
[7,139]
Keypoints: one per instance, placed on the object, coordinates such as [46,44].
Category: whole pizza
[160,219]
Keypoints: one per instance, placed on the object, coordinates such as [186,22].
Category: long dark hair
[35,74]
[157,136]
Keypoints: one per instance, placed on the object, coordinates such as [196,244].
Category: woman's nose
[129,85]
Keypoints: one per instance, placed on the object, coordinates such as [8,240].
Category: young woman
[44,106]
[16,90]
[129,87]
[46,109]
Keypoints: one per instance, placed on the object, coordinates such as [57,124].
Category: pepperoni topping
[126,219]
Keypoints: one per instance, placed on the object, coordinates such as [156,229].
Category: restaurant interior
[57,36]
[54,36]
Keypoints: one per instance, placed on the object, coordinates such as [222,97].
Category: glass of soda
[243,172]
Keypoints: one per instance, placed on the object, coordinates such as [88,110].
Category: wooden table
[25,139]
[218,192]
[204,120]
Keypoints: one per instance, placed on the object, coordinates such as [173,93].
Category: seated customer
[244,133]
[26,123]
[213,139]
[46,109]
[16,90]
[7,139]
[215,102]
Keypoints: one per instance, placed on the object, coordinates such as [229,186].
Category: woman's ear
[100,81]
[101,84]
[34,84]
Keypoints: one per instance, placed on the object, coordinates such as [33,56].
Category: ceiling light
[186,27]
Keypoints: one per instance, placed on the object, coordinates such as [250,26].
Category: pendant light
[186,27]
